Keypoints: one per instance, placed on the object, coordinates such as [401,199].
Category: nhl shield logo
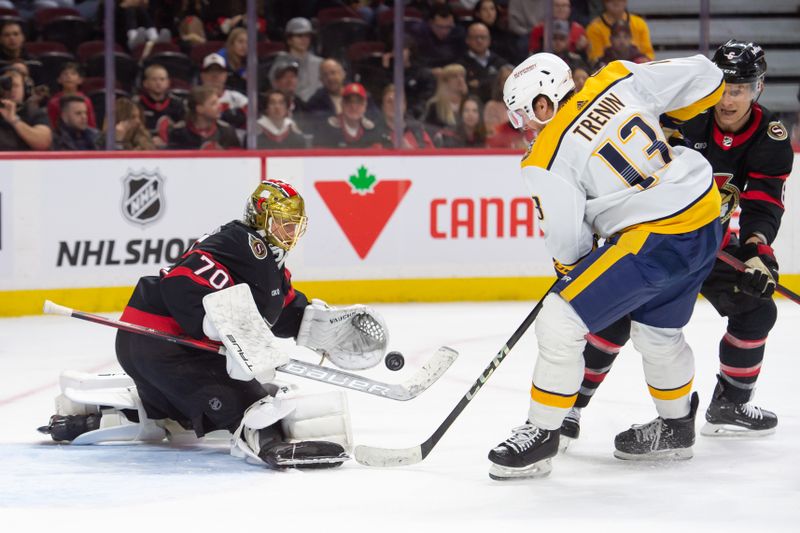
[142,199]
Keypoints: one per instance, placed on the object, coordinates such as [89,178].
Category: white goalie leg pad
[323,416]
[668,367]
[559,366]
[83,381]
[265,412]
[233,318]
[353,338]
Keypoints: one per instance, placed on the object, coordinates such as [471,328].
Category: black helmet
[740,62]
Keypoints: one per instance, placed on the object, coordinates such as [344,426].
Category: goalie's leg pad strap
[265,412]
[320,417]
[115,427]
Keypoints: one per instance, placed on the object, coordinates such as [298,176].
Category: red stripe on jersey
[601,344]
[760,176]
[741,372]
[761,196]
[187,272]
[290,294]
[744,344]
[167,324]
[193,274]
[726,141]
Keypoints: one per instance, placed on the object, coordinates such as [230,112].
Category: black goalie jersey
[750,167]
[235,253]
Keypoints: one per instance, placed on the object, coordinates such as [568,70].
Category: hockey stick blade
[732,261]
[384,457]
[426,376]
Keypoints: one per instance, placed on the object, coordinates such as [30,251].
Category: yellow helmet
[278,209]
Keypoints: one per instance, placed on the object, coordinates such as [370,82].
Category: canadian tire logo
[143,196]
[362,206]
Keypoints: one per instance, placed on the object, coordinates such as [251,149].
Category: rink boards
[383,227]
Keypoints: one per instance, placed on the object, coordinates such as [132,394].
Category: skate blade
[44,429]
[564,443]
[732,431]
[538,469]
[677,454]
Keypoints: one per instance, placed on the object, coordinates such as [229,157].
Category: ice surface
[730,485]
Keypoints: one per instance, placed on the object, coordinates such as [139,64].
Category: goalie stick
[426,376]
[725,257]
[372,456]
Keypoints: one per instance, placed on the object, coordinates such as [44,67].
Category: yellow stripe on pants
[671,394]
[551,399]
[629,242]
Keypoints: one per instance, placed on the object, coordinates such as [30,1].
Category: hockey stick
[431,371]
[371,456]
[725,257]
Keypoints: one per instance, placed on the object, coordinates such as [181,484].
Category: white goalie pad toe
[323,416]
[249,343]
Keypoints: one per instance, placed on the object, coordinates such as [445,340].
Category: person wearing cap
[233,104]
[481,64]
[298,35]
[284,77]
[560,43]
[350,128]
[621,46]
[599,30]
[561,15]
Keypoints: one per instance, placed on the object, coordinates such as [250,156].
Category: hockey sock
[740,363]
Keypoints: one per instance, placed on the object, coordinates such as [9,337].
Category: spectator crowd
[325,70]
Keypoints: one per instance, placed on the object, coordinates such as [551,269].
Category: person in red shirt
[70,79]
[577,34]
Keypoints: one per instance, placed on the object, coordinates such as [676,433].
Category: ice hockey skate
[65,428]
[662,438]
[570,429]
[525,454]
[725,418]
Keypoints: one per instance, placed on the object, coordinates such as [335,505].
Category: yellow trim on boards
[113,299]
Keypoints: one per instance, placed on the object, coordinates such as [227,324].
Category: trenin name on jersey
[597,116]
[111,252]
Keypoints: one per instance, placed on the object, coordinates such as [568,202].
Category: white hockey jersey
[603,165]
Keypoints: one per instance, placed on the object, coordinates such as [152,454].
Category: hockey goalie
[232,287]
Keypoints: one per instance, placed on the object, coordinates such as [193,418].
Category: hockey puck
[394,361]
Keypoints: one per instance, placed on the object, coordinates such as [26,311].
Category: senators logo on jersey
[729,193]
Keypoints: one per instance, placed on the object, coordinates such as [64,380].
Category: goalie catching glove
[353,338]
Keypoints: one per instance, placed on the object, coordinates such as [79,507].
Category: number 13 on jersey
[622,166]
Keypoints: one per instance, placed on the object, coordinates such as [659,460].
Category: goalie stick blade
[430,371]
[424,378]
[383,457]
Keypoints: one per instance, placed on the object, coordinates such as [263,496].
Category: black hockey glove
[762,270]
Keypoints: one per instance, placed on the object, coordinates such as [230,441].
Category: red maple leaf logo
[362,206]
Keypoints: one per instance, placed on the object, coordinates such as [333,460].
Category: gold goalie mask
[278,209]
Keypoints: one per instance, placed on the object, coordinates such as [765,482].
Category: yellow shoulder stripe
[549,140]
[685,113]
